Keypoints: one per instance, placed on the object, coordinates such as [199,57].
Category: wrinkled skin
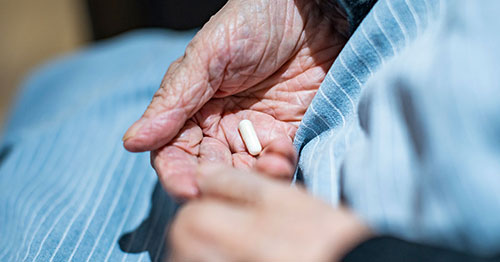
[247,217]
[258,60]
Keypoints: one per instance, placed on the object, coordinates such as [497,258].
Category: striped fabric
[70,192]
[68,189]
[331,122]
[405,130]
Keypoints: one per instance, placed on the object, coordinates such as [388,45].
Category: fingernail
[132,131]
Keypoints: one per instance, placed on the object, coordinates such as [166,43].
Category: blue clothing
[69,191]
[405,127]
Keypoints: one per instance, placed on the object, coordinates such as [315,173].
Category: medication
[249,137]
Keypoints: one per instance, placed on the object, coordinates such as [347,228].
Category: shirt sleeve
[427,168]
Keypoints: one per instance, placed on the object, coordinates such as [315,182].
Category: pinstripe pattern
[102,197]
[44,201]
[422,170]
[334,108]
[67,194]
[369,48]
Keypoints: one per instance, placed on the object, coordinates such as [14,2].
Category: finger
[189,138]
[275,166]
[284,147]
[230,183]
[184,90]
[170,161]
[205,230]
[243,161]
[278,159]
[176,170]
[214,151]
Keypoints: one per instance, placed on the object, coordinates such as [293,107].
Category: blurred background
[34,31]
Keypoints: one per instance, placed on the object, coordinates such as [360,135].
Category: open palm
[259,60]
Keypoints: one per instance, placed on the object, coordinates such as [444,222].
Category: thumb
[184,90]
[233,184]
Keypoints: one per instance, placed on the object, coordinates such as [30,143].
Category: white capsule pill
[249,137]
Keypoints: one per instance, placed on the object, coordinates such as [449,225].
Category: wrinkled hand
[258,60]
[245,217]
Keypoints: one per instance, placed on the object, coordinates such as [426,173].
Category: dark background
[111,17]
[33,32]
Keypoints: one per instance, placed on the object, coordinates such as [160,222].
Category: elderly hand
[258,60]
[245,217]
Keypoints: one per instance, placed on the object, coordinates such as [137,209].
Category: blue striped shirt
[404,128]
[70,192]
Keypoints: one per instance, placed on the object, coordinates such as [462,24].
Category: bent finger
[278,159]
[176,170]
[183,91]
[230,183]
